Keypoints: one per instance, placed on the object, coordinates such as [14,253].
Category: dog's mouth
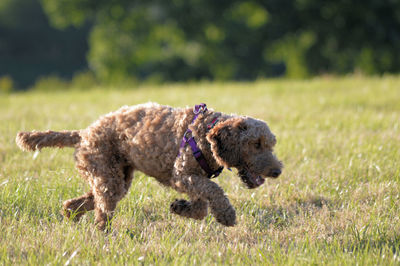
[250,179]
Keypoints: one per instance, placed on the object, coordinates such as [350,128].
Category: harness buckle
[201,108]
[185,137]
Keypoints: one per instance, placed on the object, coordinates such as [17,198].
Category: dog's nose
[276,172]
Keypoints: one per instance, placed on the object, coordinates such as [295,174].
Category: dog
[182,148]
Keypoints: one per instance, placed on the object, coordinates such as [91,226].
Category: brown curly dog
[147,138]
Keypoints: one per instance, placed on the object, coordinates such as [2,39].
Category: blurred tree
[192,39]
[174,40]
[30,48]
[349,35]
[6,84]
[195,39]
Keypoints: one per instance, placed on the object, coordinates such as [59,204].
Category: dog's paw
[227,217]
[179,206]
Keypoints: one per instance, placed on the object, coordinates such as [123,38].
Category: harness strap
[198,155]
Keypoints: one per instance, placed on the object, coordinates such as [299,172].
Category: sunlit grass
[337,201]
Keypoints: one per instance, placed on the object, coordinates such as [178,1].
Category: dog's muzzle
[251,180]
[275,173]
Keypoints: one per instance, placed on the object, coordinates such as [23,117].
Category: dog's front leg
[195,208]
[203,189]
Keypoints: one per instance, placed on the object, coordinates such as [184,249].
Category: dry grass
[336,203]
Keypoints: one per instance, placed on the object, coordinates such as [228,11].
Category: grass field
[337,201]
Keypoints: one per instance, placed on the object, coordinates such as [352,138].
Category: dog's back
[149,136]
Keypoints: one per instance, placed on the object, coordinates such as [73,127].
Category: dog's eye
[258,145]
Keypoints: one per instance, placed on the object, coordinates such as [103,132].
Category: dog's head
[246,144]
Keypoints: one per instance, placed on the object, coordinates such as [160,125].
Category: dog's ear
[225,139]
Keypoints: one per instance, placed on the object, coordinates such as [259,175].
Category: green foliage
[84,81]
[30,48]
[351,35]
[50,83]
[197,40]
[80,81]
[184,40]
[6,84]
[292,49]
[336,203]
[69,12]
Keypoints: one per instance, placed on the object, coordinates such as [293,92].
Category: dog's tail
[36,140]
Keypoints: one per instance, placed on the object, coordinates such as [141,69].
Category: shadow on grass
[283,216]
[352,239]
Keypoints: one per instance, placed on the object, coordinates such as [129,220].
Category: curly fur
[146,138]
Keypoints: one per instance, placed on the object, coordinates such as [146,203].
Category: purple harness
[198,155]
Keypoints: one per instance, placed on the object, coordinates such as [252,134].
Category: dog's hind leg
[109,188]
[109,175]
[75,208]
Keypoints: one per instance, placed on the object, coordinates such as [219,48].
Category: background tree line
[182,40]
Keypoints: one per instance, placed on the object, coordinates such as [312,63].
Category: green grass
[337,202]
